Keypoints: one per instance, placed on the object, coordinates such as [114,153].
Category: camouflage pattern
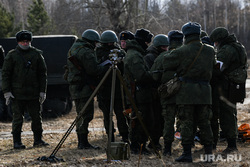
[195,92]
[19,107]
[228,54]
[25,82]
[85,55]
[104,95]
[137,73]
[79,89]
[169,108]
[189,115]
[83,124]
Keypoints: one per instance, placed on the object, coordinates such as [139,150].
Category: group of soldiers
[206,65]
[203,63]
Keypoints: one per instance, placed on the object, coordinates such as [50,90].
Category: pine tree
[6,22]
[38,20]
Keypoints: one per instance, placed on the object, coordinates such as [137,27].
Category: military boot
[167,149]
[83,142]
[17,141]
[38,140]
[186,155]
[208,152]
[231,146]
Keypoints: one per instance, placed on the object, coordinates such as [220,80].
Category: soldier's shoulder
[32,48]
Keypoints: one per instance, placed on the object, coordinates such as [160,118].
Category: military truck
[55,49]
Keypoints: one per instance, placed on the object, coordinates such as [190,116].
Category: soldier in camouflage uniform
[138,77]
[194,96]
[233,55]
[160,44]
[109,42]
[169,108]
[24,84]
[82,70]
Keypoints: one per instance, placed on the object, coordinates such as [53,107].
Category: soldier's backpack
[238,76]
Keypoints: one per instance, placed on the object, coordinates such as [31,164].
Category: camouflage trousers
[169,113]
[104,105]
[18,108]
[228,120]
[195,115]
[83,124]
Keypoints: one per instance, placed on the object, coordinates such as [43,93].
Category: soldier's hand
[7,96]
[42,97]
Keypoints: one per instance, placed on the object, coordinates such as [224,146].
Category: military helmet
[23,35]
[108,36]
[219,34]
[160,40]
[191,28]
[124,35]
[175,35]
[91,35]
[143,35]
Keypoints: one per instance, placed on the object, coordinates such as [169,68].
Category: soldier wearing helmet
[160,44]
[139,79]
[193,63]
[83,71]
[169,108]
[24,84]
[233,73]
[109,42]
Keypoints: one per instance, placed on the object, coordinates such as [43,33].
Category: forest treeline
[44,17]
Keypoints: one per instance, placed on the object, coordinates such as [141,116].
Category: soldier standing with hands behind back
[24,75]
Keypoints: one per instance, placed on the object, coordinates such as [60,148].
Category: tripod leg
[111,113]
[79,115]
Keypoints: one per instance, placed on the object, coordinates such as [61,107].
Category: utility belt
[189,80]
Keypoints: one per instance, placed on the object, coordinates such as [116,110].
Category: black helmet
[160,40]
[219,34]
[108,36]
[175,35]
[91,35]
[124,35]
[144,35]
[23,35]
[191,28]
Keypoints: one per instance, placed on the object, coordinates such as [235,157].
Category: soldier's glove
[42,97]
[7,96]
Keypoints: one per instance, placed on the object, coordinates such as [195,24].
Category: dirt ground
[54,129]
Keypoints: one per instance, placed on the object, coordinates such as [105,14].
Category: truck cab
[55,49]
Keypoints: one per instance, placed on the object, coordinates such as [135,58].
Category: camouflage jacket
[195,88]
[136,71]
[24,73]
[233,55]
[163,76]
[81,80]
[152,54]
